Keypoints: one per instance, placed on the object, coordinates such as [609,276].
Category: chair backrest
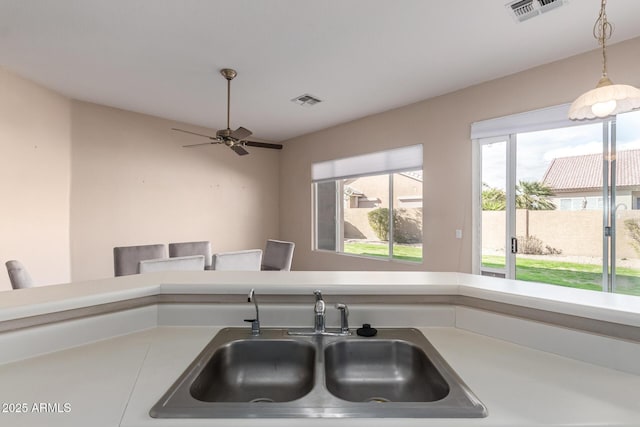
[248,260]
[126,258]
[183,263]
[278,255]
[18,275]
[192,248]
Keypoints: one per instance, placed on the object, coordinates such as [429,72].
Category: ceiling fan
[234,139]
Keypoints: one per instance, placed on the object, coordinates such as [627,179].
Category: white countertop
[615,308]
[115,382]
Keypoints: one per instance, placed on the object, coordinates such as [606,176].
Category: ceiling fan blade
[263,145]
[202,143]
[241,133]
[193,133]
[239,149]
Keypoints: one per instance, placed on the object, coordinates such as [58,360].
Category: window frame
[339,215]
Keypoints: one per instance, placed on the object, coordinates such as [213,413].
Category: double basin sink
[397,373]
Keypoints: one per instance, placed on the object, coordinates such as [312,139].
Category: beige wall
[35,176]
[442,125]
[78,179]
[133,183]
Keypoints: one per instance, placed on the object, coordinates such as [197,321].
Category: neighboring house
[371,191]
[364,194]
[577,181]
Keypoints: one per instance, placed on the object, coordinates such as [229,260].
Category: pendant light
[607,99]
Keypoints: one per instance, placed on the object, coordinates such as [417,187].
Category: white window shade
[389,161]
[530,121]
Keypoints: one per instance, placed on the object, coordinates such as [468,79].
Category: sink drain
[261,399]
[377,400]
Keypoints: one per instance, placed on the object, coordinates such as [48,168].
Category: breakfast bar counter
[115,382]
[110,367]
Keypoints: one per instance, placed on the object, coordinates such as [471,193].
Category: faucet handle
[344,317]
[319,307]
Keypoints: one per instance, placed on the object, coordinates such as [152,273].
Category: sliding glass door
[625,210]
[495,252]
[562,206]
[559,206]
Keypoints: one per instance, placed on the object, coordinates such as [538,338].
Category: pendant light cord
[602,30]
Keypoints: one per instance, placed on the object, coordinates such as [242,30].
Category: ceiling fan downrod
[228,74]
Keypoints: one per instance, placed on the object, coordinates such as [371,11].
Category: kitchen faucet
[320,319]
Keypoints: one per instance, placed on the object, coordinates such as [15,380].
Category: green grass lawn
[401,252]
[574,275]
[583,276]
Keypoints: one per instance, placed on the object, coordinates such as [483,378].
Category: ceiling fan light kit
[234,139]
[607,99]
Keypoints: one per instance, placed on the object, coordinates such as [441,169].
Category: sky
[536,150]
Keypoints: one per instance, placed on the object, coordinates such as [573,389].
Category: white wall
[35,178]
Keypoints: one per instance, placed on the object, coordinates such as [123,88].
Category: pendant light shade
[607,99]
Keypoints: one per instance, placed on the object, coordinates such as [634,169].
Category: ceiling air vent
[306,100]
[522,10]
[547,5]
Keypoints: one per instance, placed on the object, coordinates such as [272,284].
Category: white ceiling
[162,57]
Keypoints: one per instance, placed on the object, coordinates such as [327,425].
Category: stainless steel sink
[382,371]
[257,371]
[397,374]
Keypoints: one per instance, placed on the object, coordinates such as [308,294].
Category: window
[579,203]
[370,205]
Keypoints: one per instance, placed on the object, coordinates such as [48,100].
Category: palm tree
[531,195]
[493,199]
[534,196]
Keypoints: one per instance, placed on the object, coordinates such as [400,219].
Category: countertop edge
[614,308]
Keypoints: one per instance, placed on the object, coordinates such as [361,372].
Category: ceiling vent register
[522,10]
[306,100]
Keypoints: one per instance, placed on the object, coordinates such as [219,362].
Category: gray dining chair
[248,260]
[278,255]
[182,263]
[18,275]
[127,258]
[192,248]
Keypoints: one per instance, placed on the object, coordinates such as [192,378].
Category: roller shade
[530,121]
[389,161]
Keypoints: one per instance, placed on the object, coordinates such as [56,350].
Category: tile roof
[417,175]
[584,172]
